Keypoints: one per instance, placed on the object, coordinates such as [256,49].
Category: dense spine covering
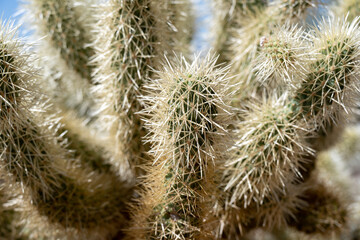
[188,119]
[294,88]
[65,31]
[85,146]
[128,49]
[260,180]
[226,14]
[248,37]
[240,24]
[274,153]
[325,98]
[61,22]
[74,200]
[269,153]
[282,57]
[294,9]
[326,95]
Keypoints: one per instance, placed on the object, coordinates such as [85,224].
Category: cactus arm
[71,199]
[186,124]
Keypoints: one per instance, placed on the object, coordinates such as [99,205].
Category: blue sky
[201,40]
[8,8]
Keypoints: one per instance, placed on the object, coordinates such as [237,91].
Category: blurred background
[9,9]
[348,149]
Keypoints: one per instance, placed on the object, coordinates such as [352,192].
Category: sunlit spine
[132,38]
[56,192]
[188,119]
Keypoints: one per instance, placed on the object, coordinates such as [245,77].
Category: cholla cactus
[242,33]
[83,204]
[64,29]
[276,141]
[328,91]
[121,113]
[245,40]
[10,218]
[128,50]
[89,150]
[294,9]
[269,153]
[261,179]
[282,57]
[325,211]
[188,119]
[226,14]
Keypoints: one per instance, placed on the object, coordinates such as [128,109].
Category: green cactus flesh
[330,76]
[134,47]
[68,35]
[191,120]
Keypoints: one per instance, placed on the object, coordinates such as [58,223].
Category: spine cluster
[77,200]
[188,119]
[111,129]
[128,50]
[64,28]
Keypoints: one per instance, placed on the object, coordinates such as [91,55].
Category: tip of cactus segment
[269,152]
[329,89]
[188,117]
[193,92]
[283,57]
